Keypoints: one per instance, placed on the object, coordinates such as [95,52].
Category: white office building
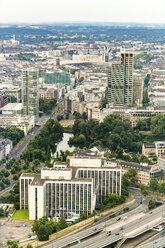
[55,193]
[69,190]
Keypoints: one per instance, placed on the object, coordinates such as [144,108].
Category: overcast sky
[36,11]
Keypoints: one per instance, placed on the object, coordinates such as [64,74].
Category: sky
[36,11]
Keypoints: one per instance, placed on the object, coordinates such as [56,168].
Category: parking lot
[13,230]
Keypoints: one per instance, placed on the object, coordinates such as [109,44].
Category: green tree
[12,244]
[146,80]
[62,223]
[131,172]
[162,188]
[42,233]
[36,162]
[29,246]
[83,216]
[59,117]
[143,125]
[151,204]
[81,79]
[145,98]
[154,184]
[158,124]
[143,190]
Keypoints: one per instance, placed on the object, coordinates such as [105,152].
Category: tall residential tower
[30,93]
[120,81]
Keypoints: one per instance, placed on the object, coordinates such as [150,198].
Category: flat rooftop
[12,106]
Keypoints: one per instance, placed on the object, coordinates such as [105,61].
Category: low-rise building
[11,116]
[5,148]
[160,148]
[149,150]
[48,93]
[161,163]
[16,92]
[25,123]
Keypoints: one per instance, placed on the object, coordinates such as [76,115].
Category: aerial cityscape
[82,124]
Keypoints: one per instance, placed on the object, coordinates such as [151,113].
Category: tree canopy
[14,134]
[45,105]
[43,143]
[113,132]
[44,227]
[158,124]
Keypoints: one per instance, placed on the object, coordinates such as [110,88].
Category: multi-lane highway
[155,244]
[106,226]
[130,229]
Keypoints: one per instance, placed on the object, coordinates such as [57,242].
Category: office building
[116,84]
[54,193]
[138,91]
[30,93]
[105,181]
[120,81]
[69,189]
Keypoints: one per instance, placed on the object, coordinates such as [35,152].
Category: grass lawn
[21,215]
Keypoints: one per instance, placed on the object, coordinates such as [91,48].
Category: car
[121,228]
[116,233]
[108,233]
[94,229]
[150,212]
[119,218]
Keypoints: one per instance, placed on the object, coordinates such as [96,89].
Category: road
[155,244]
[108,222]
[129,230]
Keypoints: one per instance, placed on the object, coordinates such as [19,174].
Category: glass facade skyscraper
[30,93]
[120,81]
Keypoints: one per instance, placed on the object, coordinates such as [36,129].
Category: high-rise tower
[30,93]
[120,81]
